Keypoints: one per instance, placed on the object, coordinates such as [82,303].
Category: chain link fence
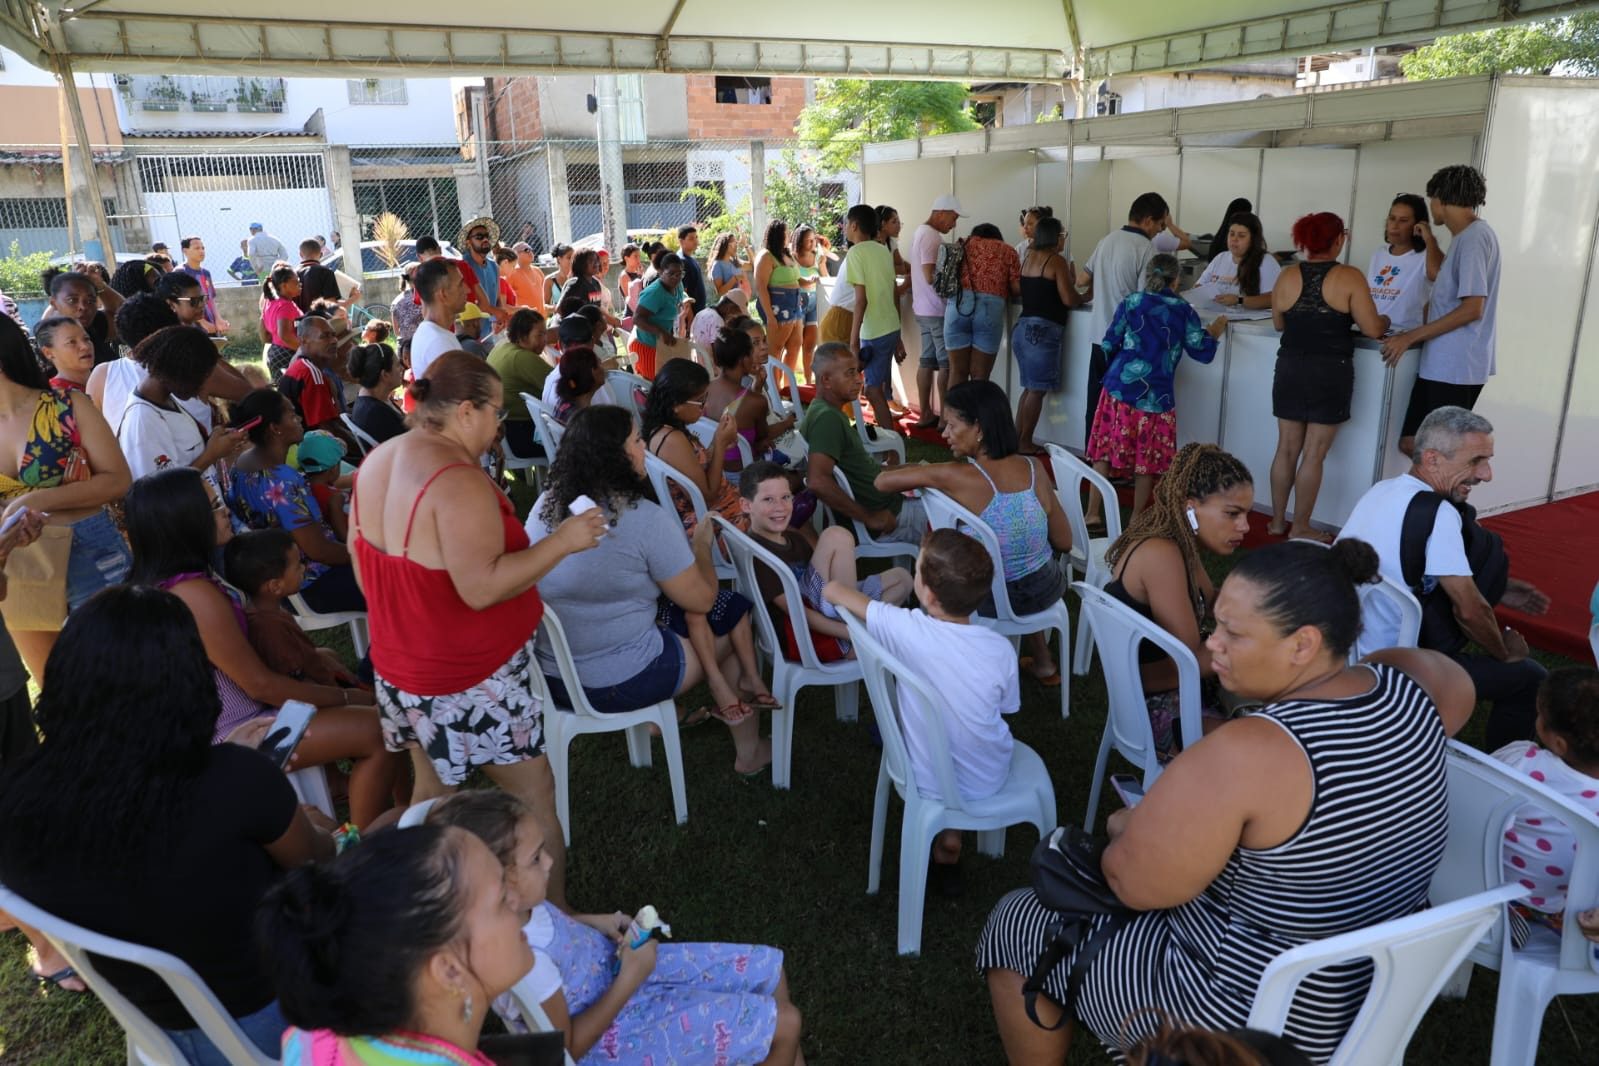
[545,193]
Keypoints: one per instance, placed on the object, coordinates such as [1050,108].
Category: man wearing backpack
[1428,541]
[928,306]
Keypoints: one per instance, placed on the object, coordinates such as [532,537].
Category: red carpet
[1556,547]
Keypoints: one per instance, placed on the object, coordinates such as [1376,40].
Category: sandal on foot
[58,980]
[1052,681]
[732,714]
[764,702]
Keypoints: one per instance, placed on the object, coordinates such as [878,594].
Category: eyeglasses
[697,403]
[477,236]
[192,301]
[499,413]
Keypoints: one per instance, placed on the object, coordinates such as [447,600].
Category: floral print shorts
[496,722]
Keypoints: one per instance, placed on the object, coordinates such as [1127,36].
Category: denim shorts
[974,320]
[99,558]
[656,681]
[786,304]
[808,305]
[264,1029]
[935,356]
[1036,345]
[877,359]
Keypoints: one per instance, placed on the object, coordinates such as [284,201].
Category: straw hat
[484,221]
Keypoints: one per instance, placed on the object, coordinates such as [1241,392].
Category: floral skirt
[496,722]
[1142,442]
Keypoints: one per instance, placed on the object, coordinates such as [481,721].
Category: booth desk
[1228,402]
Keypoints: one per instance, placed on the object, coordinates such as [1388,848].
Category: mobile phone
[16,516]
[256,421]
[1128,788]
[287,729]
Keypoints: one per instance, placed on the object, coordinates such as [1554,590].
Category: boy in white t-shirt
[972,667]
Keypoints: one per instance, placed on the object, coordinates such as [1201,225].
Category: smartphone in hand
[294,717]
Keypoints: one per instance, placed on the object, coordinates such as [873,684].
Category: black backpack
[1485,551]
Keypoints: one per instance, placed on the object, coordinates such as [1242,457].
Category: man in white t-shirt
[1457,340]
[928,306]
[1115,271]
[1453,453]
[972,668]
[443,294]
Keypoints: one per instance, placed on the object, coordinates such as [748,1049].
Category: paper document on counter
[1203,300]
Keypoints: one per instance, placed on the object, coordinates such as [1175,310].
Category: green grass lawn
[789,868]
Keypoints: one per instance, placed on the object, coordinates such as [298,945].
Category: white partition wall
[1388,168]
[1212,179]
[991,188]
[1091,206]
[1298,181]
[1134,172]
[1541,161]
[1579,441]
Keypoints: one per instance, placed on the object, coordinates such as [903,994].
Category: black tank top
[1041,299]
[1311,328]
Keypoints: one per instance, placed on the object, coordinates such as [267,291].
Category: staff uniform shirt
[1399,287]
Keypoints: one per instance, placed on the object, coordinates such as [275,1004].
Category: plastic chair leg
[847,701]
[674,761]
[991,842]
[874,868]
[1099,779]
[1083,656]
[557,746]
[1518,1015]
[786,691]
[358,637]
[915,852]
[1065,676]
[638,745]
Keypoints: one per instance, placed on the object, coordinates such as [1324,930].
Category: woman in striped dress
[1323,812]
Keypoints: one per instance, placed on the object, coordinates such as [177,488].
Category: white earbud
[1193,520]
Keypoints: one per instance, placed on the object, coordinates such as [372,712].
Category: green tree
[19,271]
[850,112]
[1562,45]
[795,193]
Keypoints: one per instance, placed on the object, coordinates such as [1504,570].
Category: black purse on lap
[1068,879]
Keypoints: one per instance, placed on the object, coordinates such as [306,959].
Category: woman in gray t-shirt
[627,604]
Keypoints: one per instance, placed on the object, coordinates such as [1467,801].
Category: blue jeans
[974,320]
[1036,345]
[786,305]
[877,359]
[264,1029]
[99,558]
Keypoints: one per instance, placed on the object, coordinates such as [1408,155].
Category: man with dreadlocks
[1457,340]
[1202,502]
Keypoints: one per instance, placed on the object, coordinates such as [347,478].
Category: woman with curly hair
[629,601]
[450,581]
[185,834]
[135,276]
[1203,501]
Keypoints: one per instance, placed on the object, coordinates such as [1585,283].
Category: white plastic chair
[1593,641]
[564,723]
[704,431]
[943,512]
[1088,553]
[364,440]
[550,431]
[867,545]
[1412,958]
[777,376]
[311,621]
[1484,794]
[887,442]
[788,676]
[1117,632]
[663,474]
[147,1043]
[311,785]
[1027,795]
[1400,600]
[627,387]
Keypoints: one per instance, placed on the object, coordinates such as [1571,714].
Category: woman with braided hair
[1202,502]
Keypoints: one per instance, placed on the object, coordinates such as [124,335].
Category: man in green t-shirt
[835,444]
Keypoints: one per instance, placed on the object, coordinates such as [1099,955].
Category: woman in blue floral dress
[265,492]
[659,1004]
[1135,425]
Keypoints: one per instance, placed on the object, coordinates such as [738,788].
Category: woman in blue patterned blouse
[1135,425]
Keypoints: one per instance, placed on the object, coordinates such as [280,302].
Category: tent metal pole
[90,175]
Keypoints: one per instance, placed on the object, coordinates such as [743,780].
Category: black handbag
[1068,879]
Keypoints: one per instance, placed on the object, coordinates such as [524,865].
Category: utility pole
[613,188]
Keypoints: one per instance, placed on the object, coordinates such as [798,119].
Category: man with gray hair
[1428,541]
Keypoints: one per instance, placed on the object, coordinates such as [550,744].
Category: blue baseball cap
[256,225]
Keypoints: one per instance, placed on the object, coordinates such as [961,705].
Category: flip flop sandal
[730,715]
[1052,681]
[697,717]
[66,973]
[766,702]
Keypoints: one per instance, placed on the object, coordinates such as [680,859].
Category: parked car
[373,265]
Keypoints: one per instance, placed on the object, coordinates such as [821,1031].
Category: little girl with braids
[1202,502]
[278,313]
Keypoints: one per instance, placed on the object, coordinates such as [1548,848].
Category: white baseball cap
[947,202]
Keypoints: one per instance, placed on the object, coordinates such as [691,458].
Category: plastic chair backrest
[704,431]
[885,676]
[146,1040]
[1118,629]
[1484,795]
[1070,472]
[888,439]
[416,813]
[777,375]
[627,388]
[550,430]
[663,474]
[747,554]
[364,439]
[943,512]
[1401,601]
[1411,958]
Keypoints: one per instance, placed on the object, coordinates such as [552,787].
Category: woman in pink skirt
[1135,425]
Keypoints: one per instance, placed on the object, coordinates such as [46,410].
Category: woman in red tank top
[449,580]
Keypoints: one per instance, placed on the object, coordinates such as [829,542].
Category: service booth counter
[1536,140]
[1228,402]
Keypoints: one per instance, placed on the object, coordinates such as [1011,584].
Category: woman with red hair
[1313,305]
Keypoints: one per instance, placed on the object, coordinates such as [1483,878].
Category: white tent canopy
[996,40]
